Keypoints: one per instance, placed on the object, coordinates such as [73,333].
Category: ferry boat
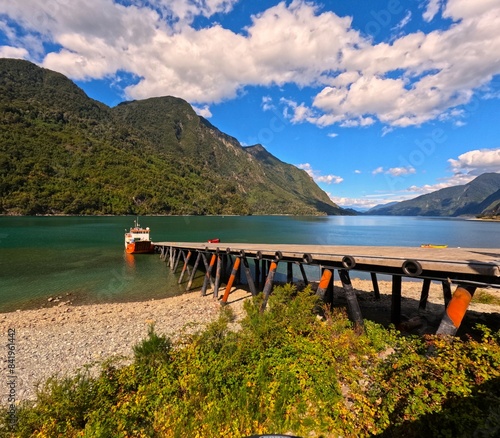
[137,240]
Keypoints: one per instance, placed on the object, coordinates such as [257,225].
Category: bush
[286,370]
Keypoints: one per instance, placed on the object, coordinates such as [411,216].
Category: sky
[378,100]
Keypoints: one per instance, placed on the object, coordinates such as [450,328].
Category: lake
[82,259]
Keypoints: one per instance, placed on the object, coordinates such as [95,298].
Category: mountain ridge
[479,197]
[62,152]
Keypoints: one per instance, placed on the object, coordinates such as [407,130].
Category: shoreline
[60,340]
[64,338]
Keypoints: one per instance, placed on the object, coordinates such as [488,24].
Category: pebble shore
[64,338]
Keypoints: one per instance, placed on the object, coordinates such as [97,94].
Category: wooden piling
[208,274]
[289,272]
[455,311]
[193,273]
[181,252]
[424,296]
[173,252]
[303,272]
[269,284]
[352,302]
[376,290]
[184,267]
[446,292]
[248,275]
[218,272]
[324,283]
[396,300]
[257,273]
[230,282]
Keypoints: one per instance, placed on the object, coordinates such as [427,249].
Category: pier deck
[467,268]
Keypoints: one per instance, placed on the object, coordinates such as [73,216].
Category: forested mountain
[64,153]
[480,197]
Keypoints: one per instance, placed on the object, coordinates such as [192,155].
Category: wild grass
[288,370]
[484,297]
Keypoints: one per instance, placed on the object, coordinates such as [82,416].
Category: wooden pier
[464,268]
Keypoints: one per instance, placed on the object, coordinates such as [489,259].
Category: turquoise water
[82,259]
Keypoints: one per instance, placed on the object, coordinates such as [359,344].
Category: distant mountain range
[480,197]
[64,153]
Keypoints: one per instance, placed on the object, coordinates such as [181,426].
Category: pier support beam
[446,293]
[193,273]
[376,290]
[324,284]
[248,274]
[289,272]
[208,274]
[455,311]
[229,284]
[184,267]
[218,272]
[352,302]
[257,273]
[181,252]
[303,272]
[269,284]
[424,296]
[396,300]
[172,258]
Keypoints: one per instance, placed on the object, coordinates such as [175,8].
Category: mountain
[379,206]
[492,209]
[477,197]
[64,153]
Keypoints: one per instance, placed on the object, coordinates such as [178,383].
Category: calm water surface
[82,259]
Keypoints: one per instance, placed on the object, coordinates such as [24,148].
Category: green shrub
[287,370]
[152,351]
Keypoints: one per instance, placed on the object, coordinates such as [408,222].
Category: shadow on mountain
[475,416]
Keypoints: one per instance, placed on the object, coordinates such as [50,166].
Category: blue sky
[379,100]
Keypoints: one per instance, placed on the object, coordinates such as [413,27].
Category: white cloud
[367,202]
[267,103]
[187,10]
[433,7]
[359,204]
[13,52]
[406,19]
[203,111]
[394,171]
[315,175]
[329,179]
[400,171]
[476,162]
[467,167]
[466,9]
[415,78]
[332,134]
[454,180]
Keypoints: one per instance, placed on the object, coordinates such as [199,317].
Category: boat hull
[140,247]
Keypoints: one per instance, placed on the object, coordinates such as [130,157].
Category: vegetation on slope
[477,197]
[285,371]
[64,153]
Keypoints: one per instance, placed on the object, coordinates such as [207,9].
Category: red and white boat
[137,240]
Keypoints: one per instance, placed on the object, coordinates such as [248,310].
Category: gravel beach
[63,338]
